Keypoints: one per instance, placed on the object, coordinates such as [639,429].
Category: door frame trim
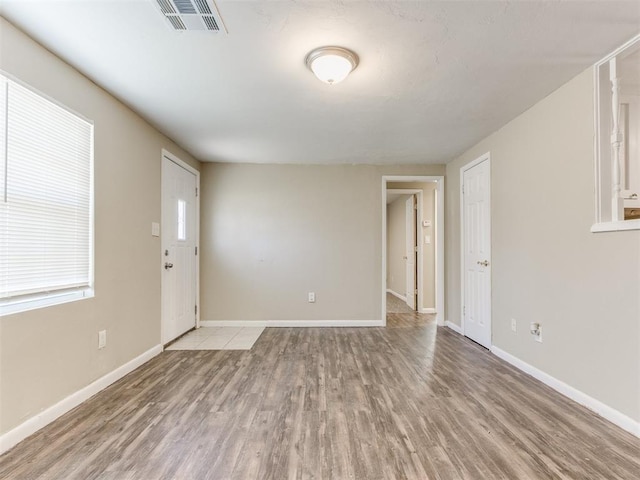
[439,239]
[486,157]
[170,156]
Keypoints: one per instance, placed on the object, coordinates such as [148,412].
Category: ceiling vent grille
[184,15]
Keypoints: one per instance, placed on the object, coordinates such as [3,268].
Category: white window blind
[46,155]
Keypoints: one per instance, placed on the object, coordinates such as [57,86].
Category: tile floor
[218,338]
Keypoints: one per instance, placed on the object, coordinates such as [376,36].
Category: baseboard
[35,423]
[453,326]
[428,310]
[614,416]
[292,323]
[396,294]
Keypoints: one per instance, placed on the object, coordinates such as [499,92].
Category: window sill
[616,226]
[33,303]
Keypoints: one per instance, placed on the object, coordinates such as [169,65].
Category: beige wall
[49,353]
[583,288]
[396,245]
[272,233]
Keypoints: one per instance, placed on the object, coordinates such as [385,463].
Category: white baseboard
[605,411]
[428,310]
[35,423]
[292,323]
[396,294]
[453,326]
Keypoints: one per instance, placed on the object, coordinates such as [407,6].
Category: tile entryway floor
[218,338]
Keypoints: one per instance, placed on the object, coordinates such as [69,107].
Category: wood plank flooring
[395,305]
[409,401]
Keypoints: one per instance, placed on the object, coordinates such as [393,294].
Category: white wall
[547,267]
[50,353]
[272,233]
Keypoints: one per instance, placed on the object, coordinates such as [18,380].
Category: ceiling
[434,77]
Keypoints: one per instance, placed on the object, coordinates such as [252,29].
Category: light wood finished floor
[395,305]
[409,401]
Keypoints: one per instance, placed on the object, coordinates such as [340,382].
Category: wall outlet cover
[102,339]
[538,337]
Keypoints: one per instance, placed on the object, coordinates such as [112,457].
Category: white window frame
[608,214]
[45,299]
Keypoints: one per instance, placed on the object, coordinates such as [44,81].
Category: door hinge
[464,311]
[415,292]
[463,188]
[415,249]
[196,250]
[196,310]
[196,191]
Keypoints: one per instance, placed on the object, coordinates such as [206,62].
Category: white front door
[410,256]
[476,243]
[179,242]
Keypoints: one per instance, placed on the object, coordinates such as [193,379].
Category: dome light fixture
[331,64]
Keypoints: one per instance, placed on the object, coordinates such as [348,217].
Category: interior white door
[179,241]
[410,240]
[477,253]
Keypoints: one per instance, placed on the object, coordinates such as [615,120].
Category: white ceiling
[434,77]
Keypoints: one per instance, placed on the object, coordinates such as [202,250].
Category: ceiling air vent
[200,15]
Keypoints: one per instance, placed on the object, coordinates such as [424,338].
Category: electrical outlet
[538,336]
[102,339]
[536,331]
[312,297]
[514,325]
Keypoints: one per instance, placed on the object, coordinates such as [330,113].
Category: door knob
[168,265]
[484,263]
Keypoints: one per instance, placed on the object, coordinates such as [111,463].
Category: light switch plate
[155,229]
[427,239]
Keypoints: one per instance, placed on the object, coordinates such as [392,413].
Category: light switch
[427,239]
[155,229]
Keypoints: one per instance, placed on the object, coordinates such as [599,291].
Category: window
[182,220]
[617,103]
[46,195]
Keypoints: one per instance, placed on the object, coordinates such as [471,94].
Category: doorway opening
[413,246]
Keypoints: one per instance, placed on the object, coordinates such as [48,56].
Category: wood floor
[395,305]
[409,401]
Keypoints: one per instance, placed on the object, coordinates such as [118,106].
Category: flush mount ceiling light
[331,64]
